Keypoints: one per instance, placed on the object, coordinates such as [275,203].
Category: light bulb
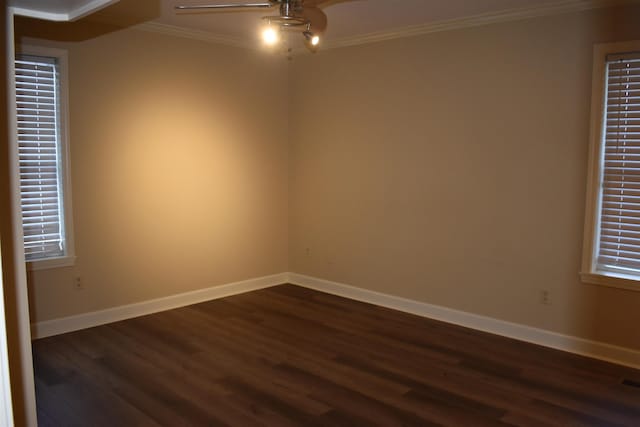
[311,40]
[270,36]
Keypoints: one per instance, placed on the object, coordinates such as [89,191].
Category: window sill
[612,280]
[49,263]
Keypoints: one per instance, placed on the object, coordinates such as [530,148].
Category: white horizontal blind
[37,97]
[619,240]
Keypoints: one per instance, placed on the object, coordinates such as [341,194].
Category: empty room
[320,212]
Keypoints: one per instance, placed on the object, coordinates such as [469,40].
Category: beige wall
[451,168]
[448,168]
[178,167]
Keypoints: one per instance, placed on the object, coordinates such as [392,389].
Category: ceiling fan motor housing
[291,7]
[291,15]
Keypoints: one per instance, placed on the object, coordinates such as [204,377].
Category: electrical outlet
[78,283]
[307,251]
[545,297]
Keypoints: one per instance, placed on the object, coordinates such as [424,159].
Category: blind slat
[37,98]
[619,239]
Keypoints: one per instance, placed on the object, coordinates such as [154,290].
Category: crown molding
[556,8]
[189,33]
[566,6]
[72,14]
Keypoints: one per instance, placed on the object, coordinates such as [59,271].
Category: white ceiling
[348,18]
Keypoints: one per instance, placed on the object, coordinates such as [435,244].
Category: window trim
[588,272]
[69,258]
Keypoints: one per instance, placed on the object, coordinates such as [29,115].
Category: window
[612,230]
[44,187]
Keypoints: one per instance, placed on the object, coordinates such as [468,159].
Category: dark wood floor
[289,356]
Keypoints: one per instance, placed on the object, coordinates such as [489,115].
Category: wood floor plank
[349,402]
[290,356]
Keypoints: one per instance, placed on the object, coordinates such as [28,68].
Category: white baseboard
[115,314]
[597,350]
[594,349]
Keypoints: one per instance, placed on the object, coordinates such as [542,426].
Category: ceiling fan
[301,15]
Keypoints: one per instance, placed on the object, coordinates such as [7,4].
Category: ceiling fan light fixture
[294,15]
[315,40]
[311,40]
[270,36]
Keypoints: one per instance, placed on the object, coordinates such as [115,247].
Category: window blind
[619,238]
[37,97]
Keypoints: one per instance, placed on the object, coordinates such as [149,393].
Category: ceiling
[346,18]
[349,20]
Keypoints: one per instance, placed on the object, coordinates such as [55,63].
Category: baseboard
[115,314]
[594,349]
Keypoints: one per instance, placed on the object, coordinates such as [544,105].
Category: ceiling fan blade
[317,18]
[223,6]
[323,3]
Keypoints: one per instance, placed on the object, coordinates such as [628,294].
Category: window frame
[589,273]
[69,258]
